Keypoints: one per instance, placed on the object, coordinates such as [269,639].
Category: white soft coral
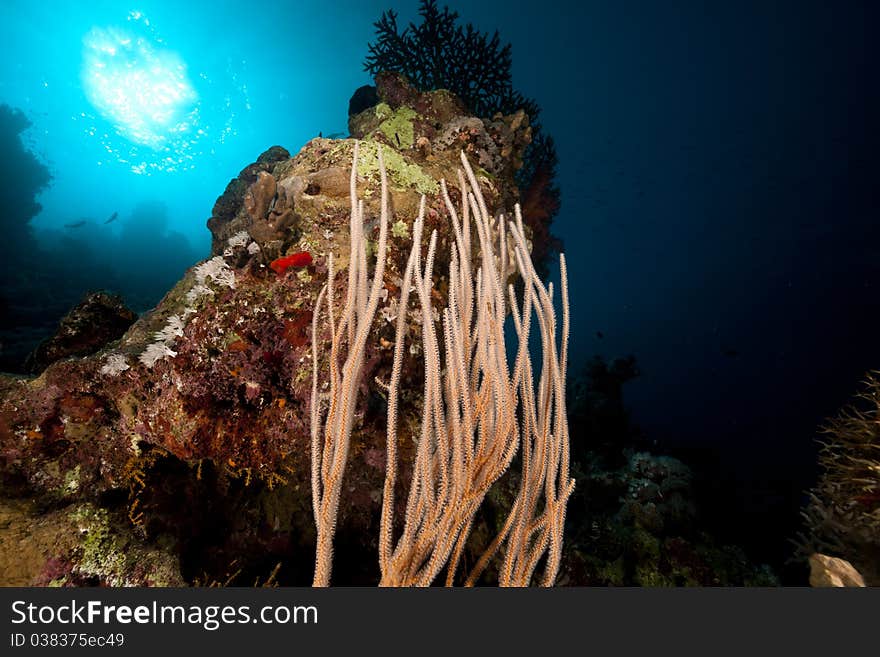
[156,352]
[217,271]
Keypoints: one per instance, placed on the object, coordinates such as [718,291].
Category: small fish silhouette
[112,218]
[76,224]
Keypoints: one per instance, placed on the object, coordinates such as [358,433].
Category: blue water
[251,79]
[718,169]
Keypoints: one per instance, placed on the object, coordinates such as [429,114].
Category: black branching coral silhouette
[439,53]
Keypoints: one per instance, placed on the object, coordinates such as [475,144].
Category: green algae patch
[401,172]
[72,480]
[101,553]
[115,557]
[400,229]
[397,125]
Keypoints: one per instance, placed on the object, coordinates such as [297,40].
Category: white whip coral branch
[477,413]
[330,439]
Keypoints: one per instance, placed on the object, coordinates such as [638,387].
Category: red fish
[301,259]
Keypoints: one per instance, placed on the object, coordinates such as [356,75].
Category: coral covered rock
[192,428]
[230,203]
[78,545]
[100,318]
[437,122]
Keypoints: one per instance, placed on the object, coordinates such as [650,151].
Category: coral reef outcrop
[637,525]
[190,430]
[100,318]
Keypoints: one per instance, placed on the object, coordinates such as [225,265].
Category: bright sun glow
[138,85]
[141,87]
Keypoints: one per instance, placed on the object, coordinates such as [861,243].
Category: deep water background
[718,167]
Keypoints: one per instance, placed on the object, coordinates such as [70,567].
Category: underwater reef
[178,449]
[842,516]
[192,429]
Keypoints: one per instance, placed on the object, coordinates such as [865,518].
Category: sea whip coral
[478,412]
